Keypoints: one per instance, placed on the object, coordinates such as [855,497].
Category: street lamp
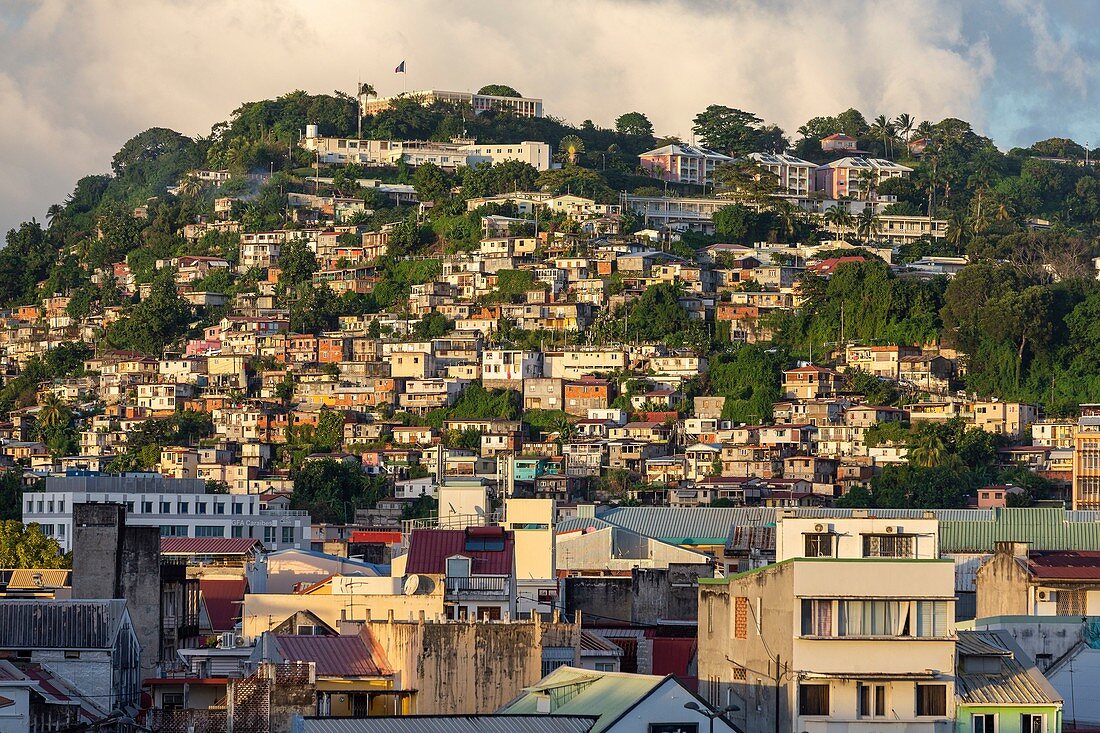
[711,715]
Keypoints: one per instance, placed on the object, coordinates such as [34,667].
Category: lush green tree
[26,546]
[430,182]
[157,321]
[736,132]
[332,490]
[499,90]
[297,263]
[432,326]
[634,123]
[750,378]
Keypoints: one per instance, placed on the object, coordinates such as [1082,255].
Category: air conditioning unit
[228,640]
[819,528]
[1048,595]
[891,530]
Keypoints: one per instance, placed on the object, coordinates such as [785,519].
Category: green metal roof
[576,691]
[1043,528]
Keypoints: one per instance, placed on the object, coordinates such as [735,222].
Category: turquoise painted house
[999,690]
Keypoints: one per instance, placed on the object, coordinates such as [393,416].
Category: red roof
[1065,564]
[224,598]
[335,656]
[207,545]
[365,536]
[430,548]
[826,266]
[834,136]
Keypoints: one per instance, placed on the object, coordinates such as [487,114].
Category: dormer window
[458,567]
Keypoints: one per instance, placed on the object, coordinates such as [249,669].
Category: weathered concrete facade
[113,560]
[1002,582]
[462,667]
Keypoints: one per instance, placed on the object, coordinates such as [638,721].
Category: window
[933,618]
[30,507]
[209,531]
[458,567]
[813,699]
[129,507]
[931,700]
[819,545]
[61,530]
[237,508]
[1030,723]
[219,507]
[237,530]
[610,667]
[49,505]
[200,507]
[986,723]
[887,545]
[269,535]
[288,535]
[554,657]
[165,507]
[871,699]
[184,507]
[817,617]
[146,507]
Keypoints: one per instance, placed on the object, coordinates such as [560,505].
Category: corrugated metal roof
[207,545]
[223,598]
[1014,684]
[597,644]
[52,624]
[334,656]
[1043,528]
[430,548]
[1065,564]
[604,694]
[449,724]
[31,579]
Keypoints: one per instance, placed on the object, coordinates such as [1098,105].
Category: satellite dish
[416,585]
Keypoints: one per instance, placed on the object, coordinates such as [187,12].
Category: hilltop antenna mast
[358,109]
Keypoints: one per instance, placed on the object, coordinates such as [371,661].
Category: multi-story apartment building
[854,622]
[179,507]
[448,156]
[794,176]
[680,163]
[1086,463]
[856,178]
[509,368]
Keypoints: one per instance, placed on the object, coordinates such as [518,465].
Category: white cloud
[79,77]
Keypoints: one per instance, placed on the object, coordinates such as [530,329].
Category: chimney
[1012,549]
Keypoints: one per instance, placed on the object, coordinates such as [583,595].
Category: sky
[80,77]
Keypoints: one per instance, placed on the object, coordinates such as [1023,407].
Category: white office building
[179,507]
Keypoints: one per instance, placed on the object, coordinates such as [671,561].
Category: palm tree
[571,146]
[867,224]
[927,451]
[367,90]
[904,124]
[925,129]
[52,213]
[884,129]
[789,214]
[52,411]
[837,217]
[189,184]
[958,230]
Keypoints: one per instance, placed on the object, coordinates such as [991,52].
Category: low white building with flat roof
[179,507]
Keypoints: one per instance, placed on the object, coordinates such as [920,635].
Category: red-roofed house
[840,141]
[476,565]
[1019,581]
[353,676]
[826,267]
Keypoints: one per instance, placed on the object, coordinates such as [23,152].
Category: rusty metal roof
[334,656]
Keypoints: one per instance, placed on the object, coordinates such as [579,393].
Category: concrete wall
[112,560]
[602,599]
[535,558]
[1002,583]
[465,668]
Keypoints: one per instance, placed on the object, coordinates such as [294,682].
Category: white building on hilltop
[519,106]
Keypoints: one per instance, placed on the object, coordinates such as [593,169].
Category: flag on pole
[400,68]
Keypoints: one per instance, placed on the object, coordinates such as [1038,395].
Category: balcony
[476,587]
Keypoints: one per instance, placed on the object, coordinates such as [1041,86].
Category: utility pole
[777,680]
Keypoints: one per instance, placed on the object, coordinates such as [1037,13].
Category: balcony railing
[476,587]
